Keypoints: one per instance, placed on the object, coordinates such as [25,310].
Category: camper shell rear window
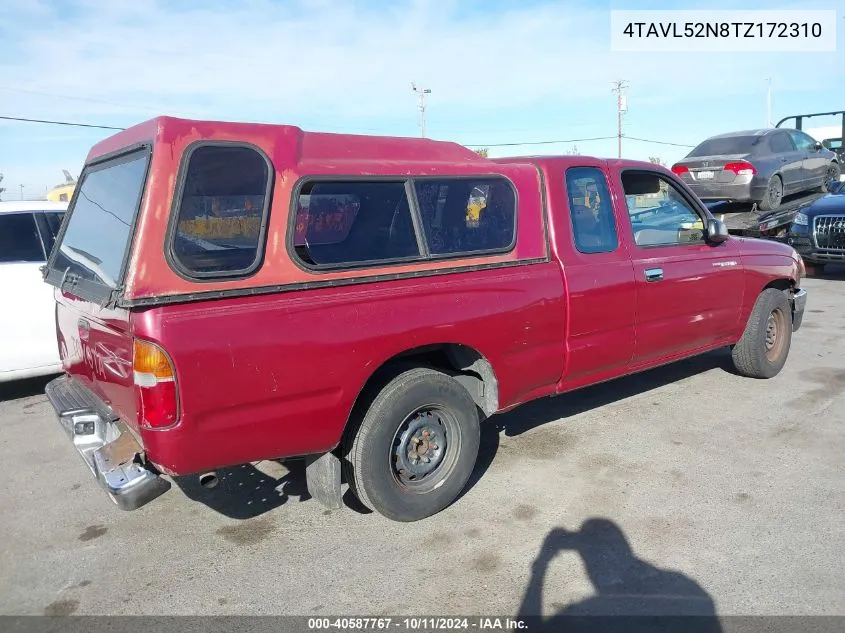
[91,250]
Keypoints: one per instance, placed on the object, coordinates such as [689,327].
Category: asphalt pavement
[687,486]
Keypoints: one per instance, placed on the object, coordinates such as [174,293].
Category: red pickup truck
[228,293]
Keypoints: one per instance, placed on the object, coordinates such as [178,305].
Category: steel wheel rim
[424,449]
[774,336]
[775,191]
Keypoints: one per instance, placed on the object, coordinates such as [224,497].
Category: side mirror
[717,232]
[818,146]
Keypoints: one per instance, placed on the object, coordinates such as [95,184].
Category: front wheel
[415,447]
[764,346]
[833,172]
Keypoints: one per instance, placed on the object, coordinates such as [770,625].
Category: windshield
[97,236]
[726,145]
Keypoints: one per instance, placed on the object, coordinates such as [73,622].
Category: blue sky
[500,72]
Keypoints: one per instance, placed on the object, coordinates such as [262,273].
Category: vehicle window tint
[467,215]
[802,141]
[726,145]
[96,239]
[19,241]
[659,214]
[780,143]
[222,211]
[352,223]
[591,210]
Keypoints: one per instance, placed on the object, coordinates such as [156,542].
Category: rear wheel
[415,447]
[764,347]
[774,194]
[833,172]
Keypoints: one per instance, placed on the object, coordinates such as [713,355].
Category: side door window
[660,214]
[19,241]
[591,210]
[802,141]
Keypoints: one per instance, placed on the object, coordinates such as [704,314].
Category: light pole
[621,107]
[422,92]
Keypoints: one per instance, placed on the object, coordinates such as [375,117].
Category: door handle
[84,329]
[653,274]
[784,159]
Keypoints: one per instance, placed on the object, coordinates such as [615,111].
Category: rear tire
[773,196]
[415,447]
[764,347]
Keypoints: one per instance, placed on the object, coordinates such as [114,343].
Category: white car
[28,344]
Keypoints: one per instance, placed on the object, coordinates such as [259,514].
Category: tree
[483,152]
[574,151]
[2,189]
[655,160]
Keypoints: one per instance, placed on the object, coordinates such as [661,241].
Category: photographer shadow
[631,594]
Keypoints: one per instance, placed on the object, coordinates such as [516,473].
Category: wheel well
[465,364]
[779,284]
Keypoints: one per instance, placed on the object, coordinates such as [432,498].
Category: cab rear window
[94,244]
[221,211]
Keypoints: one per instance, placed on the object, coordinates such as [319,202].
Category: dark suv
[818,230]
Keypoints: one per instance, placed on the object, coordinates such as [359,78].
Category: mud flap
[322,475]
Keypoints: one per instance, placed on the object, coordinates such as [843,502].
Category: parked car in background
[818,229]
[834,145]
[28,332]
[760,166]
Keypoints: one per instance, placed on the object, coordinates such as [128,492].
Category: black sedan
[818,229]
[759,166]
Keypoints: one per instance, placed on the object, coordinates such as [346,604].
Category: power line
[648,140]
[571,140]
[101,127]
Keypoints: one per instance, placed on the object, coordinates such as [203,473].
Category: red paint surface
[276,375]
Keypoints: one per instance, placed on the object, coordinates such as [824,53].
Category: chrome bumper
[799,302]
[105,444]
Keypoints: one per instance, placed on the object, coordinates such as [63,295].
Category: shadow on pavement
[26,388]
[630,594]
[533,414]
[245,492]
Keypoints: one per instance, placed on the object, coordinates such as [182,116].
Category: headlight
[801,218]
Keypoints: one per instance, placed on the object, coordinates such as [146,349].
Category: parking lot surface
[687,485]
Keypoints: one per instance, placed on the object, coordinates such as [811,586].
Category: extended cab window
[660,215]
[222,211]
[95,242]
[467,215]
[341,224]
[593,224]
[19,240]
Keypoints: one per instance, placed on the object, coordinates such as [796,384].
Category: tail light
[679,170]
[155,386]
[741,168]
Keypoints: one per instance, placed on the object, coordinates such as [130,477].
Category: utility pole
[619,87]
[422,92]
[768,102]
[21,186]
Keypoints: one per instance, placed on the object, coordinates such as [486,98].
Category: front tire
[833,172]
[764,347]
[415,447]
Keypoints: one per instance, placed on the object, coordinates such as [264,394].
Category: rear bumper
[106,445]
[743,192]
[799,303]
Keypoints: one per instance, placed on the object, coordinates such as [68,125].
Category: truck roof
[292,142]
[570,160]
